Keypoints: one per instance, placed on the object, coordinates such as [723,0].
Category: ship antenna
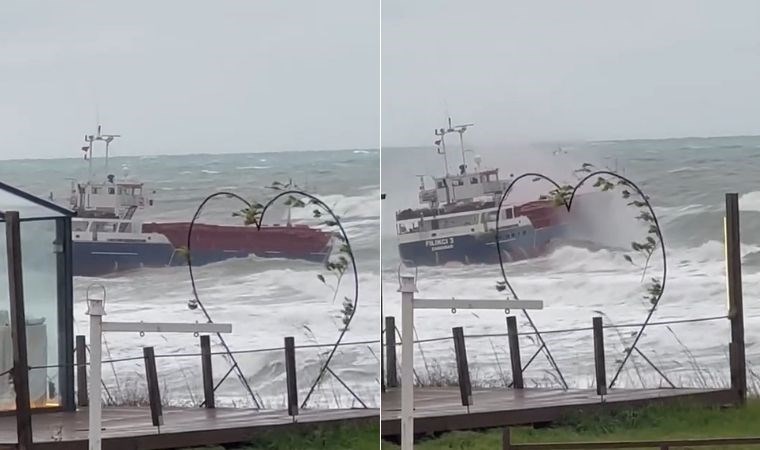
[441,144]
[461,130]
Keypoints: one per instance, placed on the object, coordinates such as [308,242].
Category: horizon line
[43,158]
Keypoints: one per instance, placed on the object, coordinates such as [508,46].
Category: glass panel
[40,303]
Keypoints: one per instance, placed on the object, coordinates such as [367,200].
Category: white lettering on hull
[437,245]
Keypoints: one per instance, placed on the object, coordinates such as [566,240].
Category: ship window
[94,190]
[441,185]
[457,182]
[474,180]
[489,217]
[508,213]
[111,191]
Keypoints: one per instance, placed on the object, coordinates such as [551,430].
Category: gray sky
[555,70]
[189,76]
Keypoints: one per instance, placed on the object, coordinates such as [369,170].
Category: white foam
[750,201]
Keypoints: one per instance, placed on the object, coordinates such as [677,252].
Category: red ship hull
[218,242]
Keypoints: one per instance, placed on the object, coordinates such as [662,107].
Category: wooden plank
[460,303]
[737,359]
[599,365]
[20,372]
[661,444]
[127,428]
[154,392]
[390,349]
[514,352]
[290,376]
[81,352]
[506,439]
[439,409]
[167,327]
[465,388]
[208,373]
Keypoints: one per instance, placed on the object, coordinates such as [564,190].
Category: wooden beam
[290,376]
[506,439]
[465,388]
[208,374]
[514,352]
[18,330]
[460,303]
[599,364]
[154,393]
[81,351]
[390,348]
[737,356]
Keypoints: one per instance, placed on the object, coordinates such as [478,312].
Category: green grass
[334,438]
[655,422]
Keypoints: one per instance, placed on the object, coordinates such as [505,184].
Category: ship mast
[90,139]
[441,143]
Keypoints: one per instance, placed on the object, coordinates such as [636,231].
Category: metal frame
[61,217]
[408,305]
[65,293]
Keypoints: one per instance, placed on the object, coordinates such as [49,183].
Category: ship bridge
[464,187]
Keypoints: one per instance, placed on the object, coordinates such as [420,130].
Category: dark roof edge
[33,198]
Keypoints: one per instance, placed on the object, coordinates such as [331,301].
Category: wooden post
[208,373]
[465,388]
[506,439]
[154,393]
[390,349]
[290,376]
[599,365]
[81,351]
[20,372]
[737,358]
[514,352]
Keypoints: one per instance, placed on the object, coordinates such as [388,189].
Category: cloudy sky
[555,70]
[189,76]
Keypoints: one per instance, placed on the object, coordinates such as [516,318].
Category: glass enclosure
[47,281]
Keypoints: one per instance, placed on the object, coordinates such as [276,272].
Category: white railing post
[407,289]
[96,312]
[408,305]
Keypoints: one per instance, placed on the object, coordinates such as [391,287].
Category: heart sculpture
[257,221]
[565,197]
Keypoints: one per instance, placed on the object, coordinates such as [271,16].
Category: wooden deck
[131,428]
[440,409]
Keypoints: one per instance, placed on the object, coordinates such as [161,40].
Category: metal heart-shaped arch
[568,205]
[325,366]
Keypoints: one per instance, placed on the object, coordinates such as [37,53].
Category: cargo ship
[108,237]
[456,221]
